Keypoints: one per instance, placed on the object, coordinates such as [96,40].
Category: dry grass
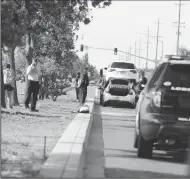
[23,135]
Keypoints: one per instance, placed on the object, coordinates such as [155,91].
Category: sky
[124,22]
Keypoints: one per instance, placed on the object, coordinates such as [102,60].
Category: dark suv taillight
[155,97]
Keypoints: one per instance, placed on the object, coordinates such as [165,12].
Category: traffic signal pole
[108,49]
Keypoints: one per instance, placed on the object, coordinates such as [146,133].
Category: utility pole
[178,27]
[147,49]
[135,51]
[178,30]
[162,49]
[139,52]
[157,39]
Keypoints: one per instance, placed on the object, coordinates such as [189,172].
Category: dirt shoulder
[26,136]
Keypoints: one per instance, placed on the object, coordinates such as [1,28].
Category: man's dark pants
[77,92]
[33,89]
[82,94]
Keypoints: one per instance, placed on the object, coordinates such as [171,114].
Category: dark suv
[163,109]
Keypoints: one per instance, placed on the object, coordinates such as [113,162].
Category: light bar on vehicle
[177,57]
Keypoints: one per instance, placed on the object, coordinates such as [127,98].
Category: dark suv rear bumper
[164,130]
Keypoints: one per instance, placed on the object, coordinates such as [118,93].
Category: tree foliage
[184,51]
[46,29]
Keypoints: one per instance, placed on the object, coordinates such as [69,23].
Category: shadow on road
[163,157]
[94,153]
[121,105]
[122,173]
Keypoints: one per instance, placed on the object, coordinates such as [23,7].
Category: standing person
[83,87]
[77,85]
[42,89]
[8,82]
[32,86]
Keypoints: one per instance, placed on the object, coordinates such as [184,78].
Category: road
[111,153]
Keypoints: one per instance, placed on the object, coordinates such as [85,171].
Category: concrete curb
[68,156]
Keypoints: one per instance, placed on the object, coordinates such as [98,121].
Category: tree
[48,27]
[3,104]
[12,32]
[184,51]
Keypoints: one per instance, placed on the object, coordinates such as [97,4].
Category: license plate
[118,98]
[184,119]
[122,72]
[118,86]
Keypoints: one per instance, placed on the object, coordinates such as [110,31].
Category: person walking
[8,85]
[83,85]
[33,85]
[77,85]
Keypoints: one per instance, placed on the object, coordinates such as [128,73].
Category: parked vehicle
[119,81]
[163,109]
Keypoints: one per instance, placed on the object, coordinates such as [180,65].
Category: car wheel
[105,104]
[101,100]
[136,140]
[133,106]
[145,148]
[180,156]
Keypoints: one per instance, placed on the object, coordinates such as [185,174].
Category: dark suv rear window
[178,75]
[122,65]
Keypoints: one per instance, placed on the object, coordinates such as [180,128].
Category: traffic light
[82,48]
[115,51]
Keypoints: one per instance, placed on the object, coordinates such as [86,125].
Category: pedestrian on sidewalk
[83,87]
[33,86]
[8,85]
[77,85]
[42,89]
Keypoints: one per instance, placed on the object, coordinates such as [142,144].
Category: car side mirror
[105,68]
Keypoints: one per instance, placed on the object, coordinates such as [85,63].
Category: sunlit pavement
[111,152]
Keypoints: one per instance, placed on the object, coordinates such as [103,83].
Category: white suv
[121,70]
[120,78]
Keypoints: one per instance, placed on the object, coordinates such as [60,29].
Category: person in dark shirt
[83,85]
[77,85]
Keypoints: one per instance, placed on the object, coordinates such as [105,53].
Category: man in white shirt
[33,85]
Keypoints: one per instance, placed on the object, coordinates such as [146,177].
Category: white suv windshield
[122,65]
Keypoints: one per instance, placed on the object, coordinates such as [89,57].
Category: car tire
[105,104]
[145,148]
[133,106]
[101,100]
[135,140]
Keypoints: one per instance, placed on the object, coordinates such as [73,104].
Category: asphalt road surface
[111,154]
